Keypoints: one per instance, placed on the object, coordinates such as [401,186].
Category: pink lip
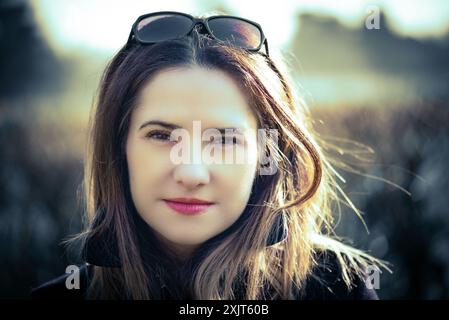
[188,208]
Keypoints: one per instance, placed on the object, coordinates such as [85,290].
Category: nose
[191,176]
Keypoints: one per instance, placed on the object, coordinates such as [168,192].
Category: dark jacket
[325,283]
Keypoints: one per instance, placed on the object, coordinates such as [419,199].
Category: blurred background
[375,72]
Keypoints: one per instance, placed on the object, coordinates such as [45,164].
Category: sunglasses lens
[238,32]
[163,27]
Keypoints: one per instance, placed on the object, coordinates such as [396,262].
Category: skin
[181,96]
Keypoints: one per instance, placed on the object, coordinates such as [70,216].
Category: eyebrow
[159,123]
[172,126]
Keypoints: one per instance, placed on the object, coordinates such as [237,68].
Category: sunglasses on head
[169,25]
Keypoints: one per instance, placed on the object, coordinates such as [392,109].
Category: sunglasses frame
[205,22]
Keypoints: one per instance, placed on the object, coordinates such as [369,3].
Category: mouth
[188,206]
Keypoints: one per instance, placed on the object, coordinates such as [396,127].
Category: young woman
[161,228]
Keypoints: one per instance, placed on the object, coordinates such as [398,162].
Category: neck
[179,251]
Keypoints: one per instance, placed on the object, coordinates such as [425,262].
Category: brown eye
[231,140]
[225,140]
[159,135]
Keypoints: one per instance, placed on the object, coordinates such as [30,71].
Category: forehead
[183,95]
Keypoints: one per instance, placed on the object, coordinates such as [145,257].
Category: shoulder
[70,285]
[326,282]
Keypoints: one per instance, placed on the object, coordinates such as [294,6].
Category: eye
[158,135]
[227,140]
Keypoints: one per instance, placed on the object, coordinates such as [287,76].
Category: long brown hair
[237,263]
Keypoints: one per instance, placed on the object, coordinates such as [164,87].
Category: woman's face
[175,98]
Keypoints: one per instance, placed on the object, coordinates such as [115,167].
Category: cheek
[146,167]
[236,182]
[238,178]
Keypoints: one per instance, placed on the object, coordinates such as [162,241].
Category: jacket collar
[102,249]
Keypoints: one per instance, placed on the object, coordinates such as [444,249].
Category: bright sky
[105,24]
